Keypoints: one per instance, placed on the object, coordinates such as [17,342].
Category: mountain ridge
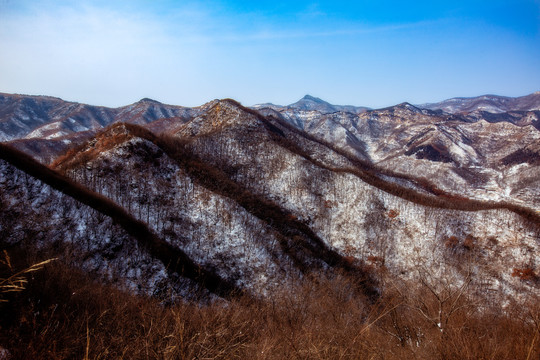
[43,116]
[434,138]
[229,173]
[489,103]
[174,259]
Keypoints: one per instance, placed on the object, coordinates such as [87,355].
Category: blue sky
[372,53]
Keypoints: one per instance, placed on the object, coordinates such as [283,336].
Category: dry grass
[63,314]
[16,280]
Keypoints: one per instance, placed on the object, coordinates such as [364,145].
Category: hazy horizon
[248,105]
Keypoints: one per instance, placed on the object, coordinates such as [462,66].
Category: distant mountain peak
[268,104]
[312,103]
[308,97]
[148,100]
[404,106]
[308,103]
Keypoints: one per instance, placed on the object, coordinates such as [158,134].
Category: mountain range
[230,199]
[309,230]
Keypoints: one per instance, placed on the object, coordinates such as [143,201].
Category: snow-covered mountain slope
[272,198]
[487,103]
[32,117]
[46,150]
[47,117]
[263,204]
[45,212]
[36,216]
[472,156]
[193,206]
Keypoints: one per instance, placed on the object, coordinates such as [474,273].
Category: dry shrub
[63,310]
[525,274]
[65,314]
[393,213]
[470,329]
[452,242]
[470,242]
[377,260]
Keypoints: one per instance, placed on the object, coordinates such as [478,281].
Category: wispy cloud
[114,31]
[293,33]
